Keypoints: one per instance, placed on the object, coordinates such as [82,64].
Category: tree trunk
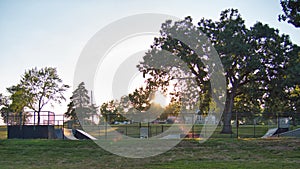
[39,111]
[39,118]
[227,129]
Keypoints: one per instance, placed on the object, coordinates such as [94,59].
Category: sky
[53,33]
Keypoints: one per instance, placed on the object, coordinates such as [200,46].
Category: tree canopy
[291,12]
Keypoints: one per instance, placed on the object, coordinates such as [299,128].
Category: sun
[161,99]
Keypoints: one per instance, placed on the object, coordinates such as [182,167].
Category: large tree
[251,57]
[291,10]
[41,87]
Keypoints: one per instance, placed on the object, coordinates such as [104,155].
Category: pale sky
[53,32]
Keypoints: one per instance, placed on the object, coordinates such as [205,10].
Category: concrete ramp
[83,135]
[68,134]
[270,133]
[71,134]
[293,133]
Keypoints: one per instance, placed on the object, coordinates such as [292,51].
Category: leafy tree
[251,58]
[254,59]
[12,111]
[173,109]
[294,95]
[19,98]
[141,99]
[40,87]
[294,103]
[80,106]
[110,111]
[5,108]
[282,94]
[291,10]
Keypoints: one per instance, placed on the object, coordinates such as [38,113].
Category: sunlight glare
[161,99]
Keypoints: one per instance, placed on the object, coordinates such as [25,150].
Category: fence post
[278,125]
[107,121]
[63,127]
[204,130]
[254,123]
[48,119]
[237,125]
[149,134]
[34,118]
[193,130]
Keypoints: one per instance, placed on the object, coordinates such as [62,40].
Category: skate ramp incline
[270,133]
[293,133]
[80,134]
[68,134]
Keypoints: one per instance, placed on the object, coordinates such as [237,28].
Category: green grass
[215,153]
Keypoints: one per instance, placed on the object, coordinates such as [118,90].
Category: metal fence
[33,118]
[243,125]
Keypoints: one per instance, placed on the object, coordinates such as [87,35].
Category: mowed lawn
[214,153]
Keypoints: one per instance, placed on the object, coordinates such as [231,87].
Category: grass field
[215,153]
[221,151]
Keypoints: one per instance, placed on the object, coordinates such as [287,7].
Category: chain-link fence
[243,125]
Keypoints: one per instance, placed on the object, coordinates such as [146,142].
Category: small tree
[173,109]
[5,108]
[12,110]
[110,111]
